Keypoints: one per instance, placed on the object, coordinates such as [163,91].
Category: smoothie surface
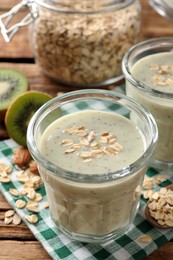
[92,142]
[155,71]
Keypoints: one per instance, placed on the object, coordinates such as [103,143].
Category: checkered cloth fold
[59,246]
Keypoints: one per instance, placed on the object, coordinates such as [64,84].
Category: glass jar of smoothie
[92,148]
[82,43]
[148,69]
[163,7]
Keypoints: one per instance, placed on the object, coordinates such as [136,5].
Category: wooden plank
[37,80]
[164,252]
[11,231]
[7,4]
[19,250]
[19,232]
[4,205]
[154,25]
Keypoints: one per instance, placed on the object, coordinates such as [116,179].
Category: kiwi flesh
[20,112]
[12,84]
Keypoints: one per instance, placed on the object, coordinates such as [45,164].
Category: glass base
[159,165]
[93,238]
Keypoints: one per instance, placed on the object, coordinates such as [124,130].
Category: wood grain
[22,250]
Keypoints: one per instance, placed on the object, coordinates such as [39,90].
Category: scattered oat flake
[66,142]
[161,178]
[146,239]
[6,179]
[70,150]
[84,154]
[3,174]
[94,144]
[32,206]
[32,218]
[23,192]
[106,133]
[81,133]
[20,204]
[32,203]
[38,197]
[110,151]
[31,194]
[112,140]
[33,209]
[71,130]
[8,221]
[16,219]
[8,169]
[103,140]
[9,213]
[76,146]
[84,142]
[14,192]
[23,178]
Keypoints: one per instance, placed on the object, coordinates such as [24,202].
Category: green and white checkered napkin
[59,246]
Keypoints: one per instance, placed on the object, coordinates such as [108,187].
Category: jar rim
[108,7]
[162,8]
[103,177]
[146,45]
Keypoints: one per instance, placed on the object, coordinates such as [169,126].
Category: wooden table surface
[17,241]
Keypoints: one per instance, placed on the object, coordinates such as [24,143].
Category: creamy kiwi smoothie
[90,143]
[168,2]
[156,72]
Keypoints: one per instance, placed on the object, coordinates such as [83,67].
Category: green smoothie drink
[92,161]
[148,68]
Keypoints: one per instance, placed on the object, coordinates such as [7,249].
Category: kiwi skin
[20,112]
[17,84]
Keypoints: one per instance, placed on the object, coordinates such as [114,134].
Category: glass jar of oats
[82,43]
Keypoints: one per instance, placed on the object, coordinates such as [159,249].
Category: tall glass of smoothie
[92,148]
[148,69]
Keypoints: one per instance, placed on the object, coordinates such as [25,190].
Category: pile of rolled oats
[28,197]
[81,48]
[160,202]
[91,145]
[161,206]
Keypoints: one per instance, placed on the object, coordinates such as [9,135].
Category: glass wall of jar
[148,69]
[83,42]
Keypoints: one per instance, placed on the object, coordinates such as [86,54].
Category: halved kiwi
[20,112]
[12,84]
